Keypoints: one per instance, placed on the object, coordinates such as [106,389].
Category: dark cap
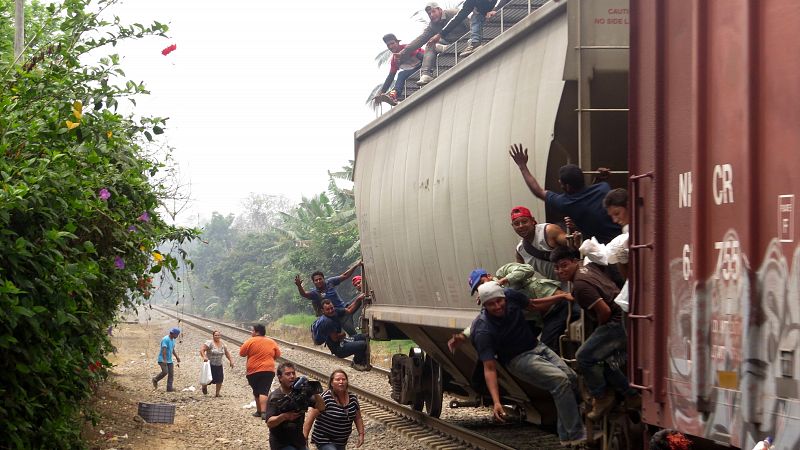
[390,37]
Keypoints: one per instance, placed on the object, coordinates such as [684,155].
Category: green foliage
[298,320]
[78,218]
[246,265]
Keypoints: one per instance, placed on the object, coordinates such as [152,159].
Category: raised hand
[519,155]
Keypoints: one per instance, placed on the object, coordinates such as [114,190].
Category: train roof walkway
[508,16]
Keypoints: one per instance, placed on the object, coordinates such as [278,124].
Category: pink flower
[169,50]
[119,262]
[104,194]
[144,217]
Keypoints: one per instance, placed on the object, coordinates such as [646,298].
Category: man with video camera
[287,406]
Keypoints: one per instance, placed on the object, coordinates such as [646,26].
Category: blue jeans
[400,87]
[476,28]
[354,345]
[542,368]
[605,341]
[292,447]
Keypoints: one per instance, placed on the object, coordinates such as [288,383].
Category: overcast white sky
[262,96]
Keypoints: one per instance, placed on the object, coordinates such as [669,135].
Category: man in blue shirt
[165,354]
[330,326]
[501,333]
[326,289]
[583,204]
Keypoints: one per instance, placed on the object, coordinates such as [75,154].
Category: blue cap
[175,331]
[475,279]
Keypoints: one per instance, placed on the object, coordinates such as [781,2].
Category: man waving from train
[326,289]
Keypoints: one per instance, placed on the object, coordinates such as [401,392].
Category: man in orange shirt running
[261,353]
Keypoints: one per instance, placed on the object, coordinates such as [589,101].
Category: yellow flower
[77,109]
[109,134]
[158,257]
[141,247]
[71,125]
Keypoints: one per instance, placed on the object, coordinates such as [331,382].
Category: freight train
[695,106]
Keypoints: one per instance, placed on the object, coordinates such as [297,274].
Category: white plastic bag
[594,252]
[622,298]
[205,373]
[617,250]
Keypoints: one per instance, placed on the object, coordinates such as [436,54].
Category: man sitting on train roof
[328,326]
[439,18]
[598,357]
[583,204]
[403,67]
[501,333]
[326,289]
[481,10]
[545,319]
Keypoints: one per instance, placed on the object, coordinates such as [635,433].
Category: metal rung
[641,388]
[601,47]
[641,317]
[602,109]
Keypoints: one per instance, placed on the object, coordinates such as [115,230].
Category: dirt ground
[200,421]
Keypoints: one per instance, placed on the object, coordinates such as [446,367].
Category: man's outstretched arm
[299,282]
[520,156]
[349,272]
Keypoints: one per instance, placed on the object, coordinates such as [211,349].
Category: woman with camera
[334,424]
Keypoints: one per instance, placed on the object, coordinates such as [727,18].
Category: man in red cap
[538,240]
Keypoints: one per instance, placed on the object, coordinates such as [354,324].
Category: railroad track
[282,342]
[432,432]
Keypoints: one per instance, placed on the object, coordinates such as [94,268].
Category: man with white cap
[165,354]
[501,333]
[439,18]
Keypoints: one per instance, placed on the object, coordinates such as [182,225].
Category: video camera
[301,397]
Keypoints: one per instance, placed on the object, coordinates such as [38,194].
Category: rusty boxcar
[714,161]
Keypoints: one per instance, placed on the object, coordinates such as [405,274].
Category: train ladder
[584,98]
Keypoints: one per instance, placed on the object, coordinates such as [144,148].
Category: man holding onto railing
[439,19]
[481,10]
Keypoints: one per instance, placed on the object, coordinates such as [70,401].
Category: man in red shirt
[406,64]
[261,353]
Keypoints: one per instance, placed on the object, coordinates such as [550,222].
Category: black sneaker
[257,414]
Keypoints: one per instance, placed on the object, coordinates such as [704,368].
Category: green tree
[79,215]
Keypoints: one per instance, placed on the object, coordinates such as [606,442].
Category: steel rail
[288,344]
[436,433]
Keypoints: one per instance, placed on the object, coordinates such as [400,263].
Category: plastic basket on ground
[157,412]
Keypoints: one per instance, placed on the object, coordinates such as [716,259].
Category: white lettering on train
[687,262]
[728,260]
[723,184]
[685,190]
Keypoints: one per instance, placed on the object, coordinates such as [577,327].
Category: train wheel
[433,399]
[623,434]
[415,379]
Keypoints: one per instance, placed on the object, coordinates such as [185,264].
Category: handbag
[205,373]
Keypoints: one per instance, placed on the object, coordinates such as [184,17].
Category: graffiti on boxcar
[733,348]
